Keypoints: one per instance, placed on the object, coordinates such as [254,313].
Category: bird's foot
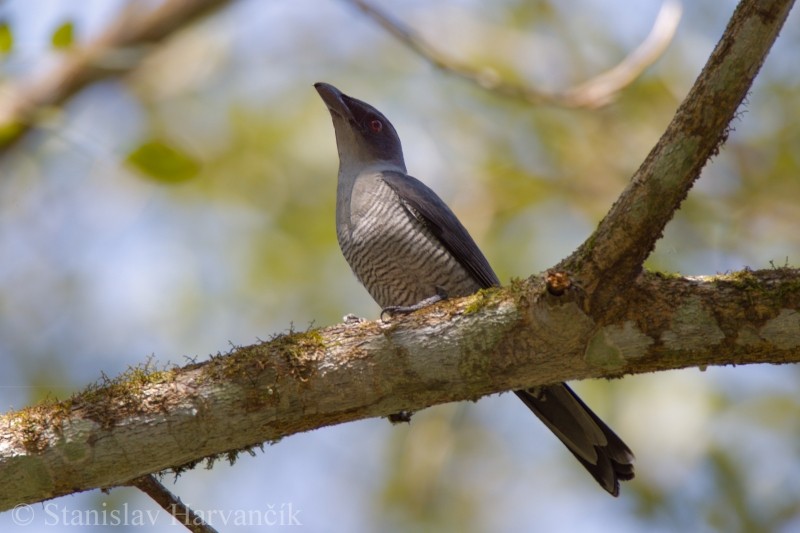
[350,318]
[406,309]
[401,417]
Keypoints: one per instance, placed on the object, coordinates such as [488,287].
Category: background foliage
[190,205]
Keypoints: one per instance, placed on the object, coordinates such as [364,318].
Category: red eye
[376,126]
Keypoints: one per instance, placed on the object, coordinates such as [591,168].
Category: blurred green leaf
[63,37]
[6,38]
[163,162]
[9,132]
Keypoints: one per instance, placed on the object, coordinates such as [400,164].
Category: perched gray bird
[409,250]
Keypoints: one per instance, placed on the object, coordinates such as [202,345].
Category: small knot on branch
[557,282]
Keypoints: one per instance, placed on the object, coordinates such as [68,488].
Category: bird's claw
[401,417]
[406,309]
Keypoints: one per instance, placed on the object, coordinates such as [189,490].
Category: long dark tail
[589,439]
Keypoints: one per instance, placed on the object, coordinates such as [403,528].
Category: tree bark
[614,255]
[498,340]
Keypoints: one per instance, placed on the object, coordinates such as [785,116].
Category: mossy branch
[615,253]
[149,420]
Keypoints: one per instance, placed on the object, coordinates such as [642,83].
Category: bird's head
[364,136]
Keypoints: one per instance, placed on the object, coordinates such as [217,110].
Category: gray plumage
[395,256]
[406,246]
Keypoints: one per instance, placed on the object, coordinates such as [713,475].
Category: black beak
[334,99]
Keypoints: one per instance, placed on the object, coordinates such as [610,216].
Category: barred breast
[392,253]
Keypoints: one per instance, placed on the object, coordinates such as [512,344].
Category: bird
[409,250]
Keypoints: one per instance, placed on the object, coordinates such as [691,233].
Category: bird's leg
[441,294]
[406,309]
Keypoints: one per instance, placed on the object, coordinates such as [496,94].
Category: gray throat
[349,175]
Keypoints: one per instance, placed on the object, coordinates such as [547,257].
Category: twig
[116,51]
[593,93]
[601,89]
[173,505]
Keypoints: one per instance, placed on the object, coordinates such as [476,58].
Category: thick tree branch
[593,93]
[500,340]
[614,254]
[20,105]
